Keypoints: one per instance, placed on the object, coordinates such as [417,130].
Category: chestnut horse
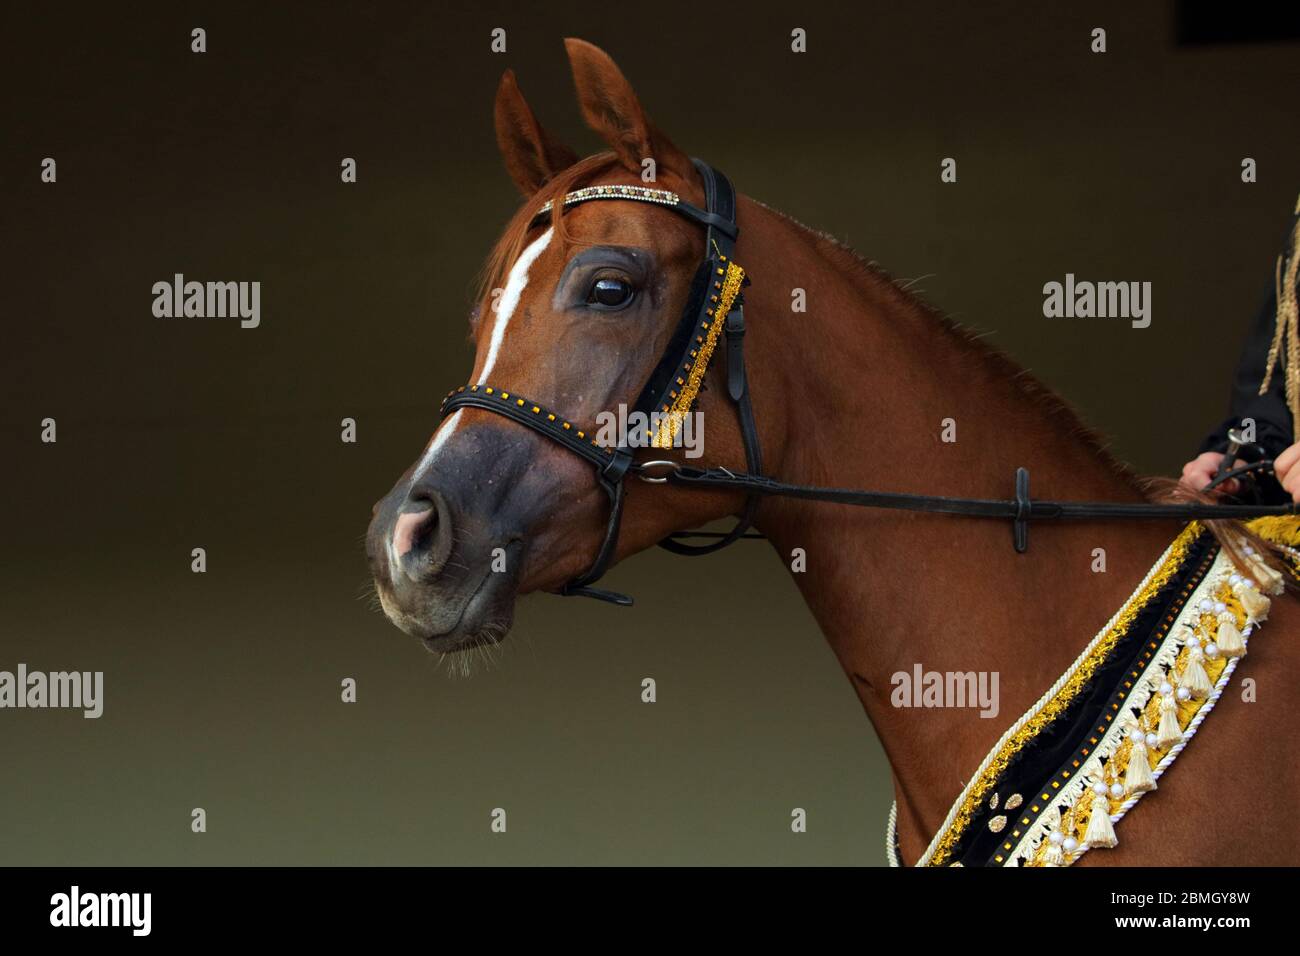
[579,317]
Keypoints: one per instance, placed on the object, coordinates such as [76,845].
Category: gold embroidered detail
[673,416]
[993,804]
[1014,801]
[998,823]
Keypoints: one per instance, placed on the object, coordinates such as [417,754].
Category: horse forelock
[511,244]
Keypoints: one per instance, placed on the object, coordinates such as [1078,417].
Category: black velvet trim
[654,395]
[1061,750]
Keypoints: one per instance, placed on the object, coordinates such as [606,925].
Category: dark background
[222,689]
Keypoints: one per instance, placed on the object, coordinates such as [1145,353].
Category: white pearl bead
[1151,740]
[1234,580]
[1116,791]
[1099,789]
[1184,693]
[1211,649]
[1219,607]
[1055,838]
[1137,736]
[1248,550]
[1166,688]
[1070,844]
[1206,604]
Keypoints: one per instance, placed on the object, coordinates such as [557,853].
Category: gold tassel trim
[1052,709]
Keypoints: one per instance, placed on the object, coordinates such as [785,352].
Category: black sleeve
[1273,426]
[1274,429]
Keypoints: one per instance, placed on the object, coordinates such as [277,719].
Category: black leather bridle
[671,390]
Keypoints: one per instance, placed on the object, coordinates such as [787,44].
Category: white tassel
[1194,677]
[1137,776]
[1169,732]
[1228,637]
[1270,580]
[1054,855]
[1255,604]
[1100,833]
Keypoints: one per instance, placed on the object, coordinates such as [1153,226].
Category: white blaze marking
[439,439]
[516,282]
[515,285]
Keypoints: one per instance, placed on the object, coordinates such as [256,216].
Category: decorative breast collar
[1056,783]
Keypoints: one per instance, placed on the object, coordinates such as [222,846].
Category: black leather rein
[716,298]
[1019,510]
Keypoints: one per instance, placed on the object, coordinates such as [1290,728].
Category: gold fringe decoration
[1277,529]
[1286,335]
[672,418]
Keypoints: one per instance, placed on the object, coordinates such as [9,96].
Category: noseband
[714,310]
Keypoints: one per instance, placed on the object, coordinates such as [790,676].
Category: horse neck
[856,392]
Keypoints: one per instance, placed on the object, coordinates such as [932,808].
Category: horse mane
[969,342]
[1231,535]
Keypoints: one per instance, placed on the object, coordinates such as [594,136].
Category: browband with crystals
[718,222]
[663,197]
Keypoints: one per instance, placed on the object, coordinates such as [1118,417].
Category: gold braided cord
[671,421]
[1073,685]
[1286,334]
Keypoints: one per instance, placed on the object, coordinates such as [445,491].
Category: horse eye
[610,293]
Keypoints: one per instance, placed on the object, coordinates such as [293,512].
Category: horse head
[577,308]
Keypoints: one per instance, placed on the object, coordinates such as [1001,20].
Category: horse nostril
[412,530]
[421,536]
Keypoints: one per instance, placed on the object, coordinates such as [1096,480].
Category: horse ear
[531,154]
[612,109]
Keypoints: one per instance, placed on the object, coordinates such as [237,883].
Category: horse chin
[484,616]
